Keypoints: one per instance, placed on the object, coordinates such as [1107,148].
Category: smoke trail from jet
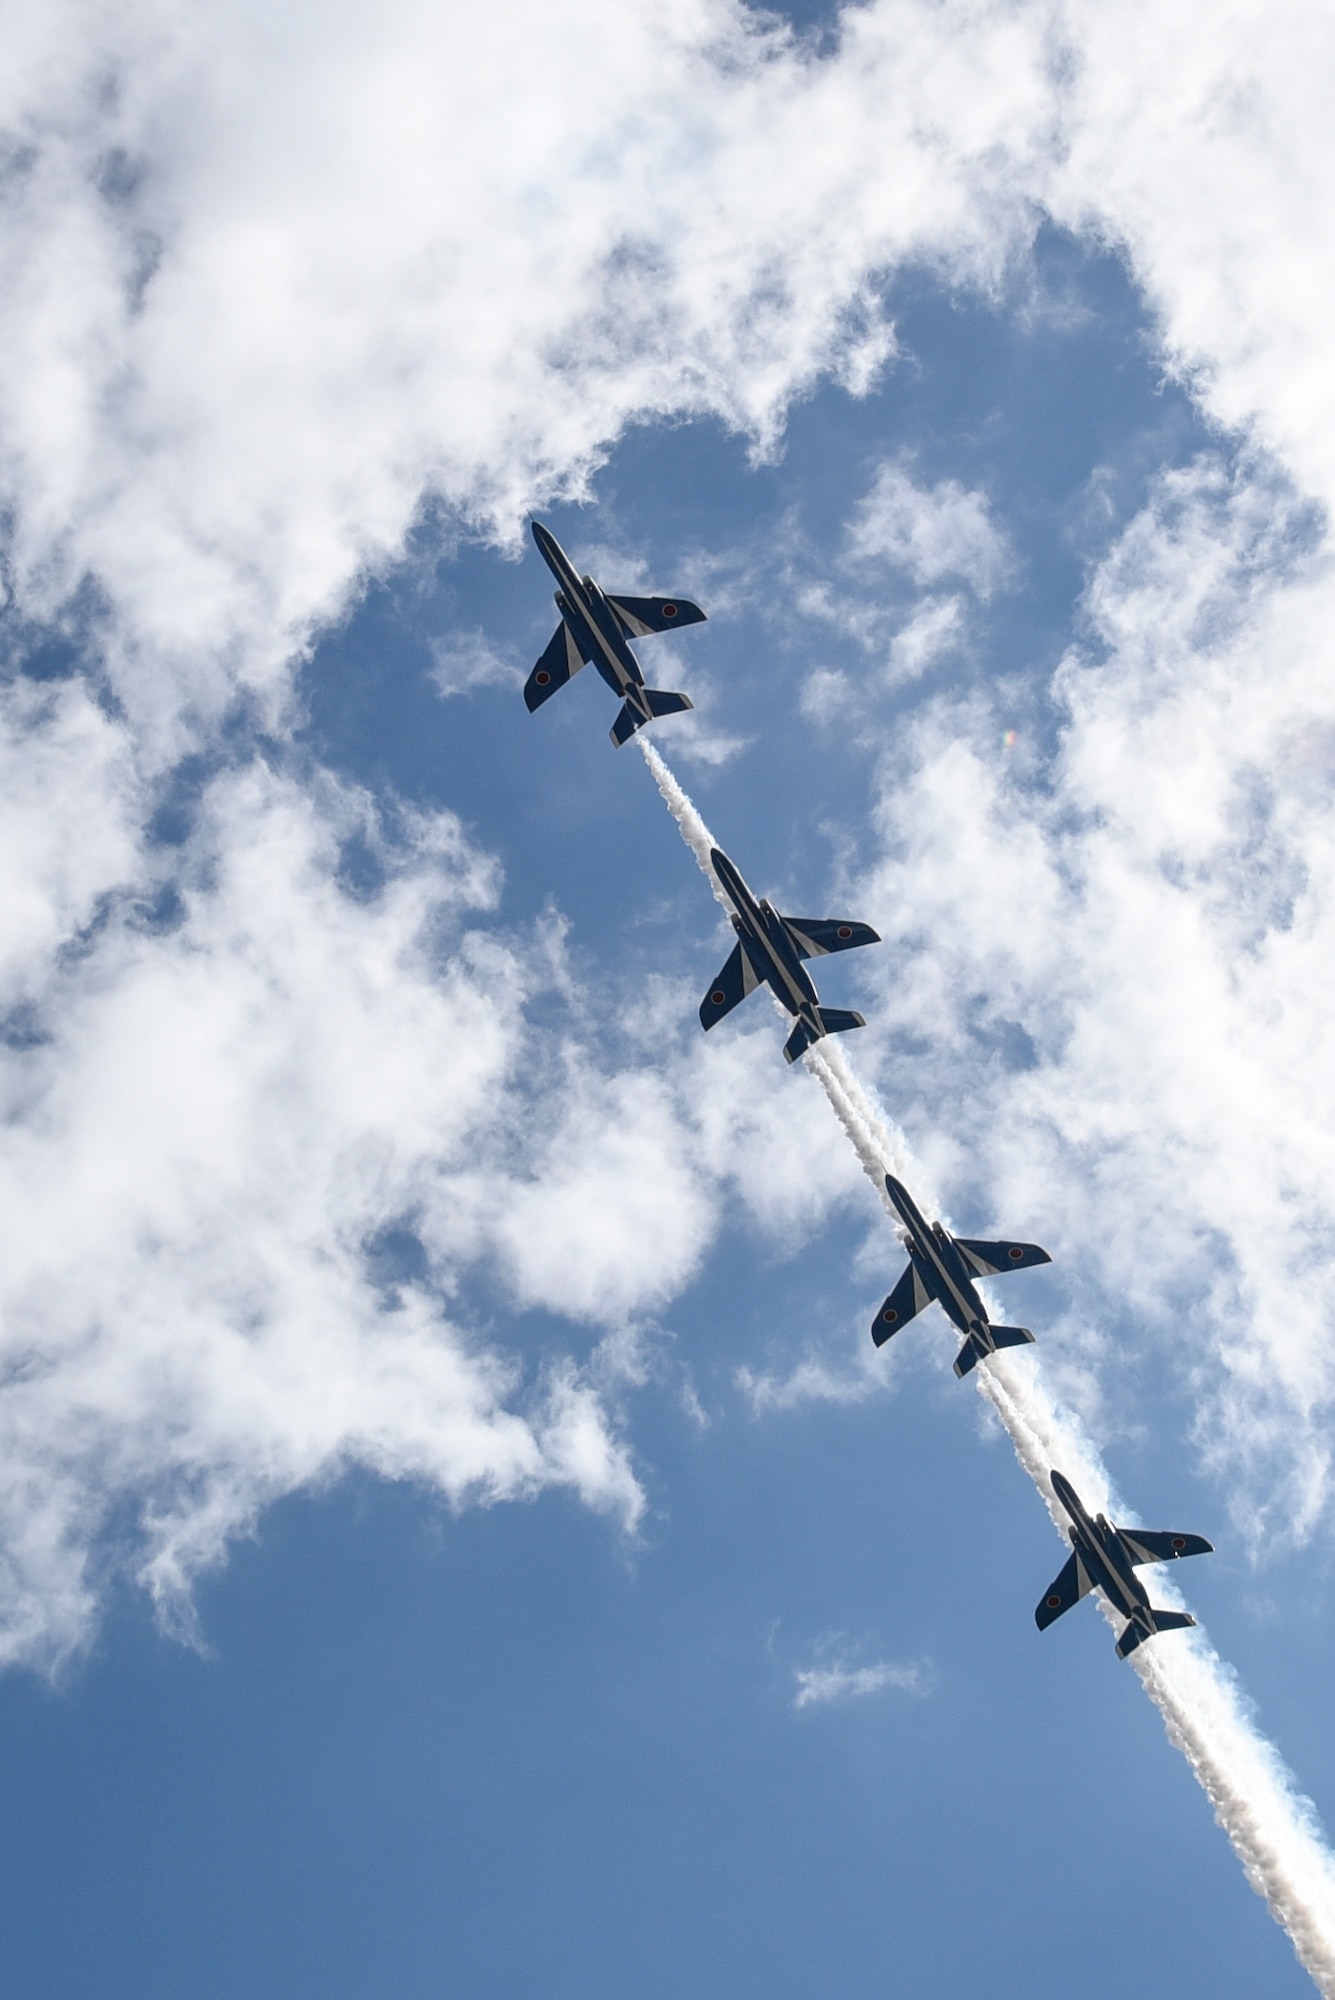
[1273,1828]
[878,1144]
[693,829]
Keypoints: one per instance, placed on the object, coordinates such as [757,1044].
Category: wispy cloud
[227,393]
[841,1682]
[465,660]
[813,1380]
[929,532]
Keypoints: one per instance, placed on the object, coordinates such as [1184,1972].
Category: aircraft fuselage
[597,629]
[938,1263]
[1104,1557]
[768,946]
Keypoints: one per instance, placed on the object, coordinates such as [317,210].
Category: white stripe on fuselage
[573,585]
[924,1238]
[1119,1597]
[934,1253]
[751,913]
[626,684]
[803,1006]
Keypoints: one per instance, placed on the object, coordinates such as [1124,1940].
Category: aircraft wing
[907,1299]
[1152,1545]
[738,978]
[986,1260]
[1067,1588]
[643,616]
[813,937]
[561,659]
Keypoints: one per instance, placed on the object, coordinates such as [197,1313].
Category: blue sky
[457,1534]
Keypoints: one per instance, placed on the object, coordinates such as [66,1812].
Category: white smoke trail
[1273,1829]
[693,829]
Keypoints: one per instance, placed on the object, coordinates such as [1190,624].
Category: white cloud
[229,1078]
[1200,139]
[828,695]
[277,281]
[1158,928]
[929,532]
[844,1369]
[841,1682]
[206,1130]
[462,661]
[265,286]
[267,281]
[935,629]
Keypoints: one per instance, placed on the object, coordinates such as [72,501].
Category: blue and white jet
[943,1267]
[1106,1558]
[769,952]
[599,627]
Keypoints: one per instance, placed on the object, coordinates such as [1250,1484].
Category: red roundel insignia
[1179,1541]
[718,996]
[668,610]
[542,677]
[845,930]
[1015,1253]
[889,1316]
[1054,1602]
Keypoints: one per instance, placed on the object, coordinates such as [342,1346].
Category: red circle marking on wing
[542,678]
[718,996]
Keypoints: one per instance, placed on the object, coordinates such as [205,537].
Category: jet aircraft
[1107,1558]
[769,951]
[943,1267]
[599,627]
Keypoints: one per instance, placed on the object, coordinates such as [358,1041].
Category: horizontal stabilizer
[814,937]
[1154,1545]
[909,1297]
[1160,1621]
[561,658]
[662,702]
[838,1020]
[737,979]
[643,616]
[989,1260]
[1067,1588]
[1011,1336]
[986,1340]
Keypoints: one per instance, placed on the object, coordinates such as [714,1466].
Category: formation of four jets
[597,627]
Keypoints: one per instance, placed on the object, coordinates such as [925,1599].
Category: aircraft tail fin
[626,724]
[986,1340]
[798,1042]
[1160,1621]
